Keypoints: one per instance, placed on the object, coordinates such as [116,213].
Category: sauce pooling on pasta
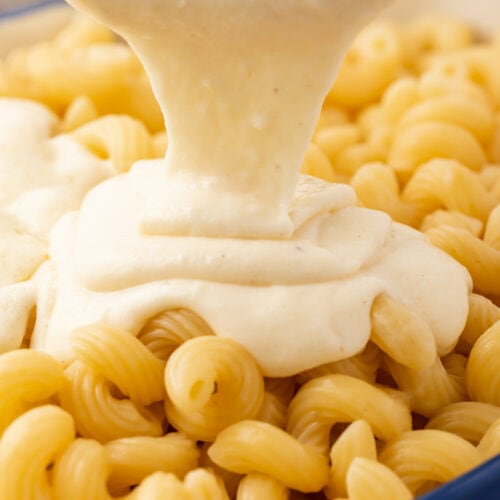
[289,267]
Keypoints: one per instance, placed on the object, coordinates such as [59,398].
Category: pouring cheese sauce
[286,265]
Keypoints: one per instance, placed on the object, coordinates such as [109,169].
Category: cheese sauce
[287,266]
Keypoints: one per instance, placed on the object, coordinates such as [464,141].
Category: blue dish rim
[27,9]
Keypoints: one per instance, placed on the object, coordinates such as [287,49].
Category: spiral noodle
[356,441]
[467,419]
[325,401]
[168,330]
[363,366]
[98,414]
[250,446]
[198,484]
[401,334]
[429,455]
[368,479]
[432,388]
[211,383]
[26,377]
[483,376]
[489,446]
[122,359]
[133,459]
[257,486]
[82,472]
[28,447]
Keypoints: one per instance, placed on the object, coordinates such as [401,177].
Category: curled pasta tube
[452,218]
[133,459]
[482,375]
[81,472]
[122,139]
[363,366]
[250,446]
[168,330]
[317,163]
[489,446]
[211,383]
[121,358]
[368,479]
[98,413]
[258,486]
[356,441]
[449,184]
[401,334]
[468,419]
[429,455]
[26,376]
[420,143]
[482,314]
[432,388]
[79,112]
[29,445]
[377,187]
[332,399]
[199,484]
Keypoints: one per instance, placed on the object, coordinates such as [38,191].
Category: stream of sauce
[286,265]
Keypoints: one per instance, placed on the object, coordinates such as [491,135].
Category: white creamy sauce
[287,266]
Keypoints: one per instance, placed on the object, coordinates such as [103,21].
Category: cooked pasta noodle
[257,486]
[82,472]
[168,330]
[26,378]
[79,112]
[368,479]
[211,383]
[356,441]
[250,446]
[401,334]
[429,455]
[28,447]
[331,399]
[467,419]
[133,459]
[483,376]
[98,413]
[489,446]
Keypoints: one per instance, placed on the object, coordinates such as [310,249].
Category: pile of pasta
[413,124]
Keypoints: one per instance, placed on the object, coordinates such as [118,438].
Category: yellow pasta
[257,486]
[26,378]
[98,413]
[429,455]
[121,358]
[483,376]
[199,484]
[211,383]
[133,459]
[81,472]
[377,187]
[489,446]
[363,366]
[333,140]
[416,145]
[28,447]
[467,419]
[122,139]
[356,441]
[429,389]
[368,479]
[79,112]
[401,334]
[317,163]
[251,446]
[168,330]
[448,184]
[331,399]
[452,218]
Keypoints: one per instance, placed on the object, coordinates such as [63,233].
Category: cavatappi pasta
[412,123]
